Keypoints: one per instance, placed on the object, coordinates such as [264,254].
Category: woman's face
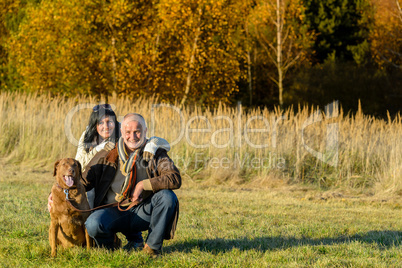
[105,127]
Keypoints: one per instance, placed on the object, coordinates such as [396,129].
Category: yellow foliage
[386,36]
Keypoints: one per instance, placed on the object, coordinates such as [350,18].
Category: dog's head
[67,172]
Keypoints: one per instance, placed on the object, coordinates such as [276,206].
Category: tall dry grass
[223,144]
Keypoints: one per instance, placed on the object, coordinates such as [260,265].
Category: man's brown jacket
[162,174]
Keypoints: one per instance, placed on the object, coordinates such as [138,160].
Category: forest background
[261,53]
[333,175]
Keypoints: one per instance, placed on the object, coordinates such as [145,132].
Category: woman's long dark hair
[92,134]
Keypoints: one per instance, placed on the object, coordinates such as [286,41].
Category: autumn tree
[386,36]
[49,51]
[11,14]
[178,49]
[278,27]
[86,47]
[198,55]
[5,7]
[130,31]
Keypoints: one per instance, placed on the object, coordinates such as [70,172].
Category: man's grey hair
[134,117]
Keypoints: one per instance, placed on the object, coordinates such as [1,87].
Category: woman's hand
[106,145]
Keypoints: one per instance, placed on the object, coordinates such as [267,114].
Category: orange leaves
[160,47]
[198,32]
[386,35]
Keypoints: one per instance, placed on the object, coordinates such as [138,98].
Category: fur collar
[112,156]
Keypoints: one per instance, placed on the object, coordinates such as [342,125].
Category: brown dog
[67,224]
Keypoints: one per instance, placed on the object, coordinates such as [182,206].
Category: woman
[102,133]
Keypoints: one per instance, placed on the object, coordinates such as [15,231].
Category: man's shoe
[132,245]
[151,252]
[116,242]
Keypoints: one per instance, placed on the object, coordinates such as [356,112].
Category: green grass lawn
[218,227]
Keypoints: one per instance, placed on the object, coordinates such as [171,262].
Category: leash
[117,204]
[85,210]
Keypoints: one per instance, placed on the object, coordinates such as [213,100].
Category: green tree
[342,28]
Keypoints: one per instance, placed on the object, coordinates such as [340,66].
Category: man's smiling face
[133,134]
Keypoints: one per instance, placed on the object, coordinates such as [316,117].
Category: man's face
[132,134]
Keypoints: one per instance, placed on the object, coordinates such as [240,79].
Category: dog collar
[64,190]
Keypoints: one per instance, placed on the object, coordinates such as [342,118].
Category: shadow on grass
[384,240]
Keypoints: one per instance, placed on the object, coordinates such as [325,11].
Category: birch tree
[279,30]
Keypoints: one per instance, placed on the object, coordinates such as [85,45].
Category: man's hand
[49,202]
[137,195]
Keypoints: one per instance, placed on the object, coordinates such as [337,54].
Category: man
[124,173]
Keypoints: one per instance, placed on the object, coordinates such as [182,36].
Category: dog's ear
[79,168]
[55,167]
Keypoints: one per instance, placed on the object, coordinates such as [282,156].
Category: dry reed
[223,144]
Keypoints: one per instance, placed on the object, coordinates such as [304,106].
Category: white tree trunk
[192,58]
[279,27]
